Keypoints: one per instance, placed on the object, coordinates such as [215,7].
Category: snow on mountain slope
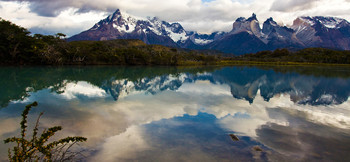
[125,23]
[304,23]
[318,31]
[124,87]
[328,32]
[204,39]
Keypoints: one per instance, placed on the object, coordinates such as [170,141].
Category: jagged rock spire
[253,17]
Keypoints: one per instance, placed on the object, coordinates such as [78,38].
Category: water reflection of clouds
[126,145]
[205,87]
[8,125]
[258,113]
[83,89]
[304,140]
[117,129]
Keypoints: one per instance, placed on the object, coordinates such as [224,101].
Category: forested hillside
[308,55]
[19,47]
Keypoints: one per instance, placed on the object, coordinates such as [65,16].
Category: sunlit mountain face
[187,114]
[245,37]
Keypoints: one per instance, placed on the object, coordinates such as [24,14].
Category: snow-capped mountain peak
[328,22]
[124,23]
[175,31]
[318,31]
[304,25]
[322,31]
[119,20]
[204,39]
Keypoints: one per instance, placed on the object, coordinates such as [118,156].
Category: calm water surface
[186,114]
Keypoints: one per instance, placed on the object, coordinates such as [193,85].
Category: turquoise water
[186,114]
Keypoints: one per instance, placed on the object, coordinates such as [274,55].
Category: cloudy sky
[205,16]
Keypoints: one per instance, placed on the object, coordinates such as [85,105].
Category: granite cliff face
[246,35]
[279,36]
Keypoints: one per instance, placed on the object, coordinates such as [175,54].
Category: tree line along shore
[19,47]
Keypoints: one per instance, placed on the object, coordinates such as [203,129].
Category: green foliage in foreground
[36,149]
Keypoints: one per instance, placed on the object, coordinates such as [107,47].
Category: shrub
[36,149]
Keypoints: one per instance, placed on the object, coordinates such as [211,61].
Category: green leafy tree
[60,35]
[15,42]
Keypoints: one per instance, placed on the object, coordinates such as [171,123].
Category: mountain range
[246,35]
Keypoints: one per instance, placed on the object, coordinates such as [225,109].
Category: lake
[186,114]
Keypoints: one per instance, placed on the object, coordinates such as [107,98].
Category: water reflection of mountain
[244,82]
[303,89]
[117,88]
[196,103]
[18,82]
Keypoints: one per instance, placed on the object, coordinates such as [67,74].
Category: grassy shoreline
[277,63]
[194,64]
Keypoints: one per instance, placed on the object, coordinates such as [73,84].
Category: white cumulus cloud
[205,16]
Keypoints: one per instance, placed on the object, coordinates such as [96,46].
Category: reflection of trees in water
[303,89]
[323,87]
[245,84]
[17,82]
